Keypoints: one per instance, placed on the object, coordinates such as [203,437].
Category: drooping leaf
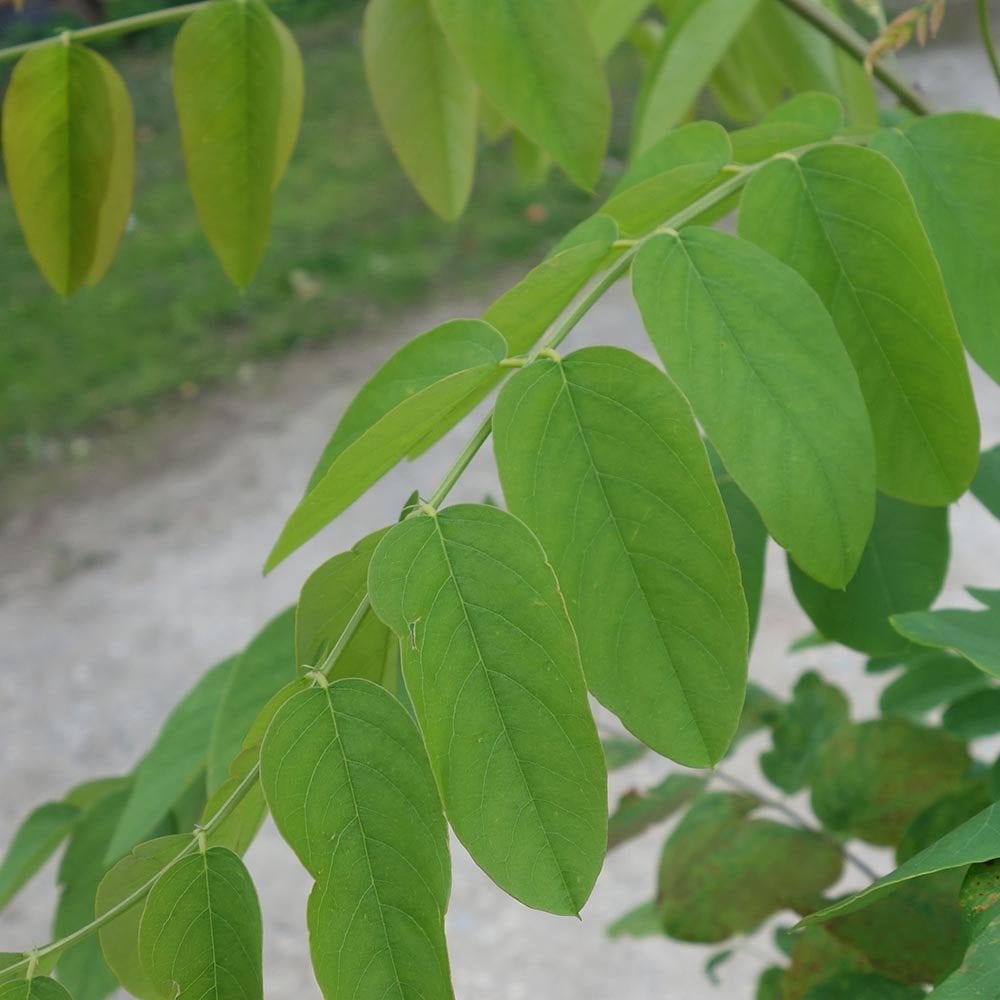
[749,536]
[120,938]
[492,667]
[620,751]
[949,162]
[175,759]
[539,67]
[941,817]
[260,671]
[70,155]
[974,841]
[348,782]
[82,969]
[872,778]
[235,91]
[753,349]
[200,935]
[326,603]
[842,217]
[425,99]
[695,40]
[972,634]
[38,988]
[932,682]
[986,485]
[816,710]
[913,935]
[399,406]
[601,458]
[974,715]
[33,843]
[757,868]
[902,569]
[636,811]
[526,311]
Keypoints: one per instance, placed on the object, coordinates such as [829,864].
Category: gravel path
[146,569]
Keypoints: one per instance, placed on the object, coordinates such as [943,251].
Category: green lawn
[350,244]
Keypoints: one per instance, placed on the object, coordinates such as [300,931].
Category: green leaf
[620,751]
[912,936]
[348,782]
[990,598]
[695,41]
[872,778]
[749,535]
[986,485]
[770,984]
[33,843]
[761,710]
[396,409]
[120,938]
[816,710]
[611,20]
[949,163]
[527,310]
[862,986]
[175,759]
[261,670]
[70,155]
[601,458]
[941,817]
[425,100]
[801,121]
[978,977]
[643,921]
[754,350]
[974,715]
[758,867]
[539,67]
[902,568]
[638,811]
[817,956]
[929,684]
[200,935]
[972,634]
[697,142]
[492,667]
[842,217]
[39,988]
[976,840]
[327,602]
[82,969]
[234,86]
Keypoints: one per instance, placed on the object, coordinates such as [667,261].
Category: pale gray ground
[146,569]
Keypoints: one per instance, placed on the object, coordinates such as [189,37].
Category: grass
[350,244]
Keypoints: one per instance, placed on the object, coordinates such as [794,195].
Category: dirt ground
[128,575]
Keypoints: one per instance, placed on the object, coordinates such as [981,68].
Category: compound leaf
[425,99]
[842,217]
[70,155]
[200,935]
[754,350]
[399,406]
[346,776]
[601,458]
[492,667]
[538,66]
[902,569]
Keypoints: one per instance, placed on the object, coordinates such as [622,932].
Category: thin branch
[989,44]
[856,45]
[110,29]
[792,815]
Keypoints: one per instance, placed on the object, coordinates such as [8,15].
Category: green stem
[856,45]
[986,31]
[110,29]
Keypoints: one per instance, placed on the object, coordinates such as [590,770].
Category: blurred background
[156,430]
